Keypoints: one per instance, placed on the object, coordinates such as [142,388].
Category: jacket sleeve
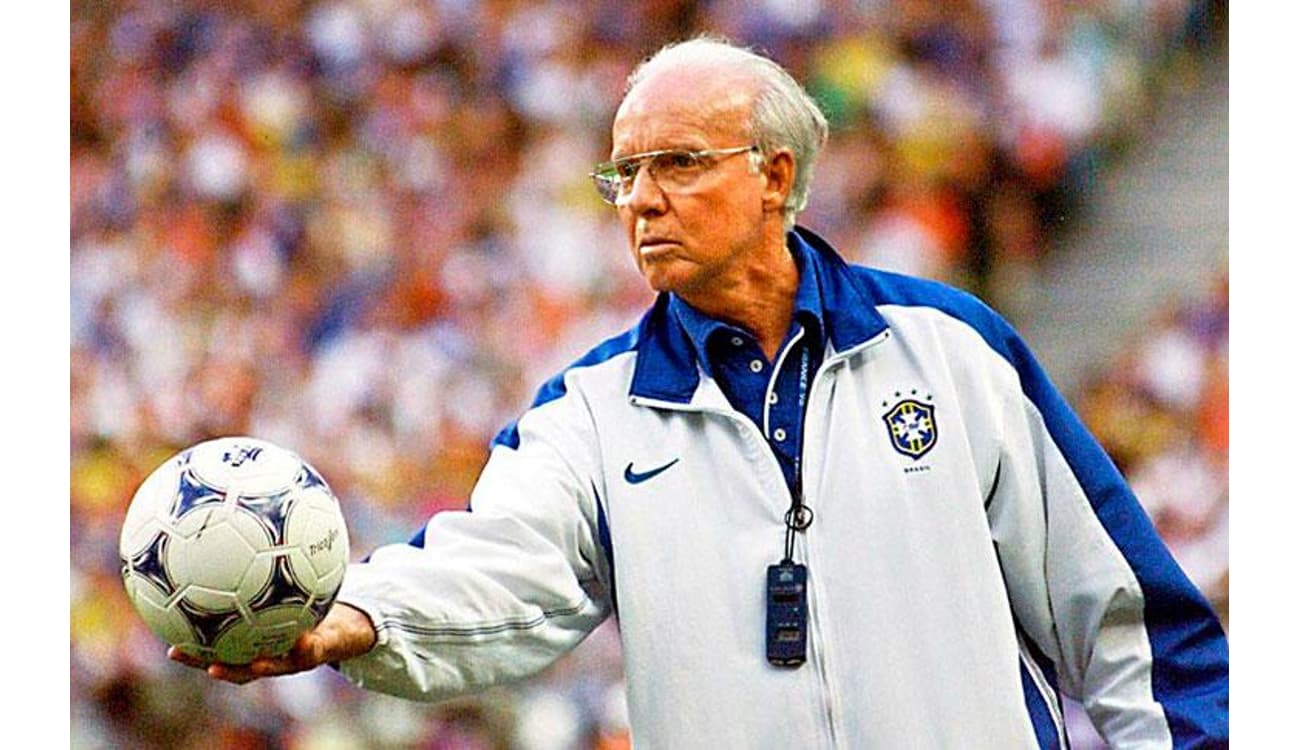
[495,593]
[1108,612]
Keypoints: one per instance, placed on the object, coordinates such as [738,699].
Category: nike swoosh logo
[634,477]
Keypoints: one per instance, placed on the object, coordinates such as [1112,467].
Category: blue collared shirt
[773,394]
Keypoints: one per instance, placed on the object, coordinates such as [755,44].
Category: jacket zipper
[821,657]
[819,644]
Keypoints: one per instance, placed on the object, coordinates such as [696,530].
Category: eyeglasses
[671,169]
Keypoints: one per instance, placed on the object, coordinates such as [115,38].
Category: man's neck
[762,302]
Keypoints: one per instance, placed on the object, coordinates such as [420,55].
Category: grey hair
[783,115]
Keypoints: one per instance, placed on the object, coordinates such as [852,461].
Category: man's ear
[778,169]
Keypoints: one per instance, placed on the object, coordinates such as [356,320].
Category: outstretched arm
[479,597]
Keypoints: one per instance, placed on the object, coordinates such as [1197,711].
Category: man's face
[691,240]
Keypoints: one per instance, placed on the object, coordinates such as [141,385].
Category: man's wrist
[350,632]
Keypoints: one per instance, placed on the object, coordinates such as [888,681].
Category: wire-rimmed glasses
[671,169]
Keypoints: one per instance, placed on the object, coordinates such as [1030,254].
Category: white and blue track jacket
[960,574]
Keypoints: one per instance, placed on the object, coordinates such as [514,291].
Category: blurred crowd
[363,229]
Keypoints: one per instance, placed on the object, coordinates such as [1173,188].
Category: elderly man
[830,506]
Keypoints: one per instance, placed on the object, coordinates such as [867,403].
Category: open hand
[345,632]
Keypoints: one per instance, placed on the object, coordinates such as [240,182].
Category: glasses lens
[607,182]
[676,169]
[626,169]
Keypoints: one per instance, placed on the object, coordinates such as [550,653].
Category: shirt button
[737,341]
[772,397]
[756,366]
[779,435]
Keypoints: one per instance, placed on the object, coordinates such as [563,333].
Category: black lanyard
[799,517]
[787,581]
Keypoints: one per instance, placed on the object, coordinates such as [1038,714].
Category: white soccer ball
[233,548]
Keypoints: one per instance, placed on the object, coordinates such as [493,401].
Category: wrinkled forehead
[684,101]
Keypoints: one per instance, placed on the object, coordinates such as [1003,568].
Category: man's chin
[660,282]
[663,274]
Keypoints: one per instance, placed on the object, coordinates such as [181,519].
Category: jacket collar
[667,366]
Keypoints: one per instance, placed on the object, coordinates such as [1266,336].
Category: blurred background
[362,229]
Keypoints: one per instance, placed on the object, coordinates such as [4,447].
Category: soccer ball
[233,548]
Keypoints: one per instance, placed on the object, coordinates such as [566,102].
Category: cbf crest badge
[912,427]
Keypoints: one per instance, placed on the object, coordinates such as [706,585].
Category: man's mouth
[654,246]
